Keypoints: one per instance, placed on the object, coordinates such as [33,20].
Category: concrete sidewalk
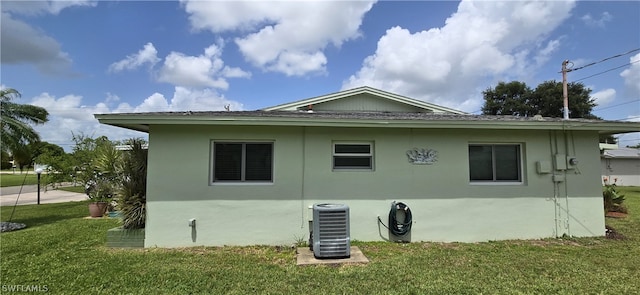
[50,196]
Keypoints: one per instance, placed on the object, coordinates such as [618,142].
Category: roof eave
[142,123]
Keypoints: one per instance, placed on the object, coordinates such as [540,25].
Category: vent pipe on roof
[565,95]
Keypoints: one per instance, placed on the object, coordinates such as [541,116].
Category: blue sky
[77,58]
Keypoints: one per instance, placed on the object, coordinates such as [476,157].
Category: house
[621,165]
[249,177]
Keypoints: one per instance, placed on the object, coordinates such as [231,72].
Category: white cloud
[111,98]
[483,39]
[282,36]
[604,97]
[233,72]
[21,43]
[206,70]
[67,114]
[147,55]
[545,53]
[631,76]
[597,22]
[185,99]
[42,7]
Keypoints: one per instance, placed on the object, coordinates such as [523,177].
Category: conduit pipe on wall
[566,180]
[302,189]
[556,186]
[561,166]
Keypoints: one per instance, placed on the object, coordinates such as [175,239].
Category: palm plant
[106,173]
[16,118]
[133,188]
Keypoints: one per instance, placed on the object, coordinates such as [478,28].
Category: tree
[84,154]
[16,119]
[22,156]
[515,98]
[46,149]
[548,100]
[58,161]
[507,99]
[5,159]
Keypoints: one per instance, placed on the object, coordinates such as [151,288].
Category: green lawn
[66,253]
[74,189]
[17,179]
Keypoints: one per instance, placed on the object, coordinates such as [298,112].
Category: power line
[629,118]
[615,105]
[619,120]
[623,140]
[603,60]
[609,70]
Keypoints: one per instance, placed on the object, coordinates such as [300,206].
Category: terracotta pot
[97,209]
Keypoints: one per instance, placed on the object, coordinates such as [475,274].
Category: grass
[66,253]
[74,189]
[17,179]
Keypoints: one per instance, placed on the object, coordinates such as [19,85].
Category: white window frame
[370,155]
[243,167]
[520,181]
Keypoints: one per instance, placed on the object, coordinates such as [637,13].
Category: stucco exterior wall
[365,103]
[445,205]
[626,171]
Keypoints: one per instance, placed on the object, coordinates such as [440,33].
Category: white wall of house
[625,171]
[446,206]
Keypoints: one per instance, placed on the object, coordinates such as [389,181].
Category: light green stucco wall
[445,206]
[364,102]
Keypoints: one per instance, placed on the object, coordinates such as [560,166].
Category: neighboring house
[621,166]
[249,177]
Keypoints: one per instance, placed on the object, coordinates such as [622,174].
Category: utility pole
[565,94]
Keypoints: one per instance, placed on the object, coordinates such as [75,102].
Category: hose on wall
[400,228]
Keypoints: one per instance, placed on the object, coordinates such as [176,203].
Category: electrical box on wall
[560,162]
[558,178]
[543,167]
[572,162]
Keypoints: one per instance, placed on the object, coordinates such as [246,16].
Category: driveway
[29,195]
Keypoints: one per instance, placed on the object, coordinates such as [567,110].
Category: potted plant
[100,190]
[103,182]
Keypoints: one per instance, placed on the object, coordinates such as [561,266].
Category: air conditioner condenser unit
[330,236]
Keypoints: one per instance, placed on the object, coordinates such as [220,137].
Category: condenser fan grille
[331,230]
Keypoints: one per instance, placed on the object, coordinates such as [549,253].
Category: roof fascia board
[141,123]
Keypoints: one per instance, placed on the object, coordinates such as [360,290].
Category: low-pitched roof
[305,104]
[622,153]
[350,111]
[142,121]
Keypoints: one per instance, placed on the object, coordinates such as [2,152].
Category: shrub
[612,199]
[133,187]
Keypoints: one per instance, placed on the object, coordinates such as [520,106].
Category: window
[242,162]
[495,163]
[352,156]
